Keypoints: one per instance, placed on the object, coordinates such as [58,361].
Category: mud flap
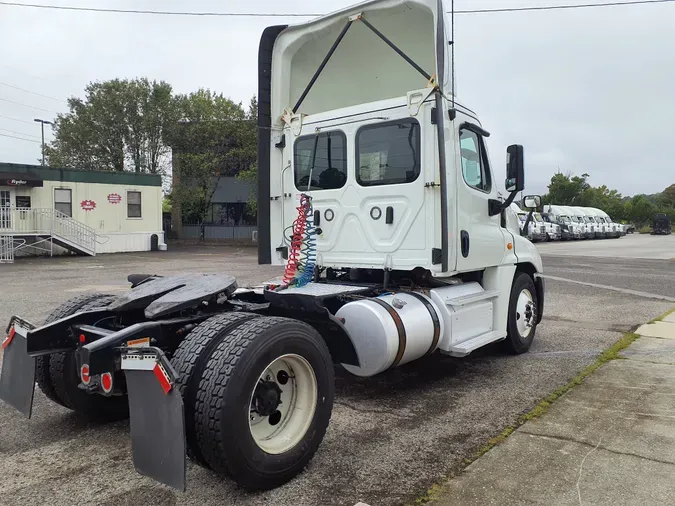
[157,417]
[17,378]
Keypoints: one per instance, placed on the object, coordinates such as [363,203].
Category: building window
[388,153]
[63,201]
[133,204]
[324,156]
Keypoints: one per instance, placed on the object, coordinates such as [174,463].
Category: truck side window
[330,161]
[474,166]
[388,153]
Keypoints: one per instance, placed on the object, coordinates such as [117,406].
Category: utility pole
[42,124]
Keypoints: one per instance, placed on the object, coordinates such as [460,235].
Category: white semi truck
[552,231]
[568,228]
[378,200]
[588,221]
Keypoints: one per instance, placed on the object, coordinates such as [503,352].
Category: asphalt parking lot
[390,438]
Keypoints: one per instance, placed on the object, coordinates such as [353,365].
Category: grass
[611,353]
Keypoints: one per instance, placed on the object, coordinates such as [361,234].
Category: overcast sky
[585,90]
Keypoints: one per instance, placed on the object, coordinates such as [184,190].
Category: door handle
[390,216]
[317,218]
[465,243]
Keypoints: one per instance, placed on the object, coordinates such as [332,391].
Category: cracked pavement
[391,437]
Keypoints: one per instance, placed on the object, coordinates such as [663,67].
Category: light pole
[42,124]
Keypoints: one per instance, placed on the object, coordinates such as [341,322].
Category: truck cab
[602,229]
[587,221]
[551,228]
[568,230]
[617,229]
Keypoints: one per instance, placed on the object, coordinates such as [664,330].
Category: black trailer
[661,225]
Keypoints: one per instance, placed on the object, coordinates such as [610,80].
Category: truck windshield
[522,217]
[537,217]
[547,218]
[564,219]
[598,220]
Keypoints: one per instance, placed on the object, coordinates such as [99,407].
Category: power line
[31,92]
[308,15]
[19,133]
[29,106]
[20,138]
[559,7]
[163,13]
[16,119]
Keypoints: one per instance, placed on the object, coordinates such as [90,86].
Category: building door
[5,209]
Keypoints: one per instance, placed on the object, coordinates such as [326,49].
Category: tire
[517,343]
[189,361]
[224,416]
[71,307]
[65,379]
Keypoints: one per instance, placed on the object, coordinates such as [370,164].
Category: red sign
[114,198]
[88,205]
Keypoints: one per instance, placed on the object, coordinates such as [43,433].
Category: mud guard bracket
[157,417]
[17,378]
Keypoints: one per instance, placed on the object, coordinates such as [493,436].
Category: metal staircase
[40,229]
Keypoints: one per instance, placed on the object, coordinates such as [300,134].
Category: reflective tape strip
[163,377]
[9,338]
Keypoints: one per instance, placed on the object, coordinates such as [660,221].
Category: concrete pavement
[609,441]
[661,247]
[390,438]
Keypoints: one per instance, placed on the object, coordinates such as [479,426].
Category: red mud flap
[157,416]
[17,378]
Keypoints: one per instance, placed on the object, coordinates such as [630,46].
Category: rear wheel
[69,308]
[58,374]
[189,361]
[523,307]
[264,401]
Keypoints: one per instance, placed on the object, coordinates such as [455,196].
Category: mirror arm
[497,206]
[524,231]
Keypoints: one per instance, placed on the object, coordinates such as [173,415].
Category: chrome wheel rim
[525,313]
[283,404]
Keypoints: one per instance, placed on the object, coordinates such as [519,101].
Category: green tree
[566,190]
[215,137]
[119,125]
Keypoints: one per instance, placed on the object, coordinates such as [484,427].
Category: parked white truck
[378,200]
[536,232]
[568,228]
[587,220]
[551,229]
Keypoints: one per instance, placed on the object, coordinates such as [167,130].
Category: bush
[645,230]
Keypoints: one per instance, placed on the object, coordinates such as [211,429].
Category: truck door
[480,238]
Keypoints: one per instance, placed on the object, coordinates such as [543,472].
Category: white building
[54,210]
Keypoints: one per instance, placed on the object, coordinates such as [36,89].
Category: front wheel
[265,400]
[522,322]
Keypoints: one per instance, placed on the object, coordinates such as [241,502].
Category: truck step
[471,298]
[321,290]
[463,349]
